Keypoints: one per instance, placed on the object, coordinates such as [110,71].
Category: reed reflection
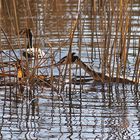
[20,113]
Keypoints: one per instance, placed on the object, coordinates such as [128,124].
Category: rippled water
[96,112]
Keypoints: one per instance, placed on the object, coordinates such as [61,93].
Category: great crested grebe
[31,51]
[97,76]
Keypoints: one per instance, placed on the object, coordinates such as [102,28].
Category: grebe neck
[29,37]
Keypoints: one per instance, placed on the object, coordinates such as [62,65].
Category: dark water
[80,111]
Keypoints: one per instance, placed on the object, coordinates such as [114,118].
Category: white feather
[36,52]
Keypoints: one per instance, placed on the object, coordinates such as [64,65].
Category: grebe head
[73,53]
[74,58]
[64,59]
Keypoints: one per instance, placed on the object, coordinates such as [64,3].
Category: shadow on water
[110,112]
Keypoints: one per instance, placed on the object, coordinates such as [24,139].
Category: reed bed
[100,30]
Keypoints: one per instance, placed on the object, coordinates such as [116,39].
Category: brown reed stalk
[16,24]
[10,45]
[69,58]
[16,20]
[109,39]
[122,29]
[105,29]
[92,11]
[114,38]
[0,24]
[136,74]
[124,36]
[112,55]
